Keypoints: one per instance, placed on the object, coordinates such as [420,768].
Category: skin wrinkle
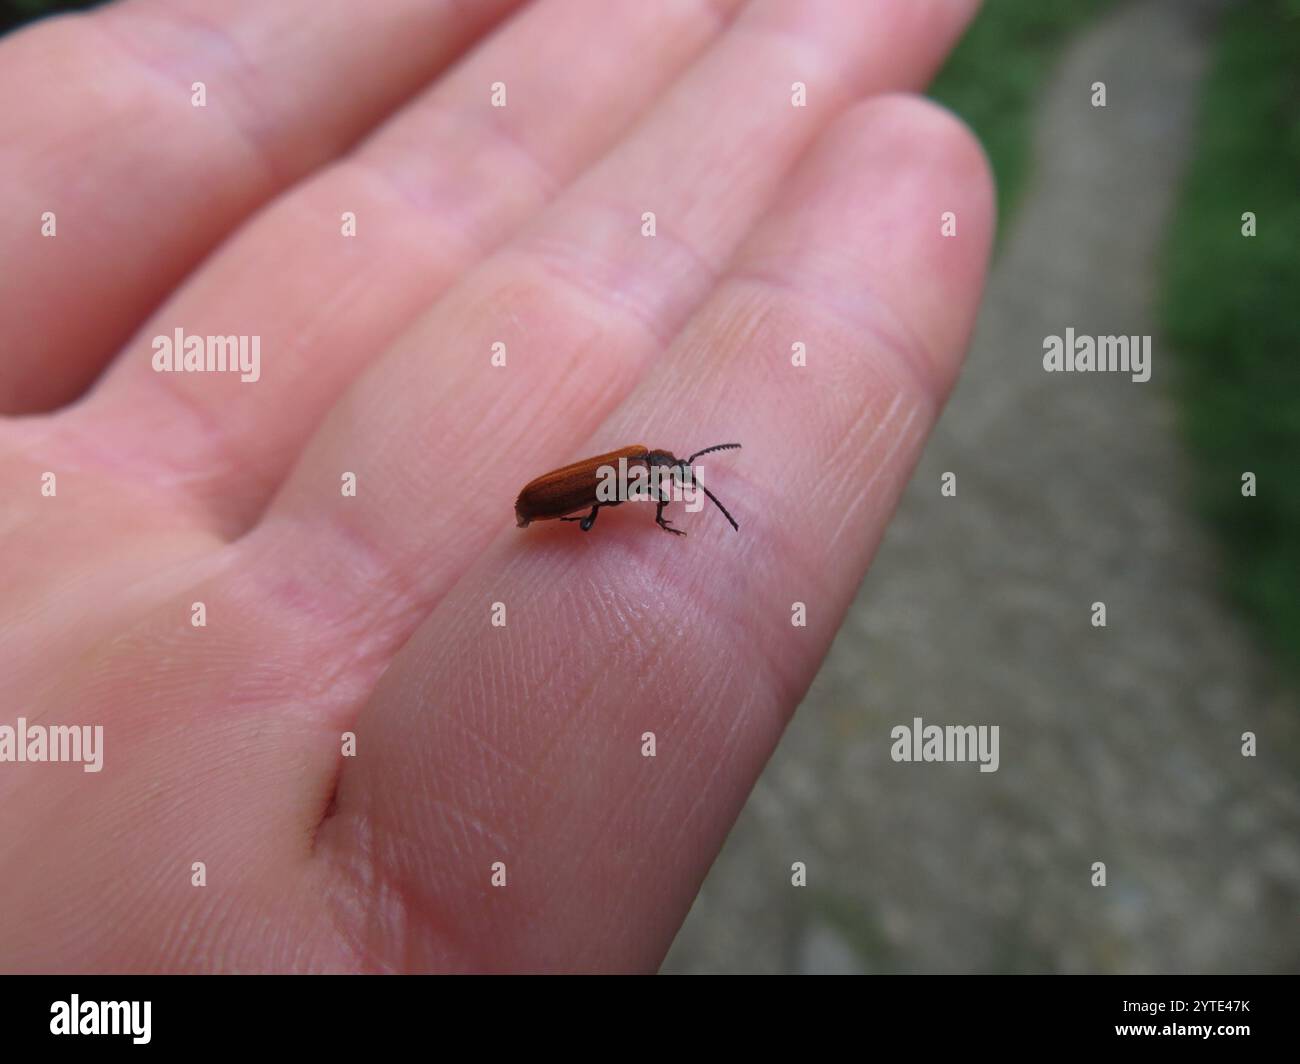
[525,288]
[597,844]
[611,291]
[470,234]
[778,546]
[700,721]
[553,658]
[394,155]
[419,893]
[838,481]
[859,501]
[667,585]
[363,621]
[463,727]
[255,143]
[106,460]
[453,814]
[370,908]
[721,752]
[228,452]
[859,496]
[618,638]
[714,752]
[493,759]
[905,354]
[842,484]
[505,132]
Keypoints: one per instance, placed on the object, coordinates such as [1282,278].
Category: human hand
[328,613]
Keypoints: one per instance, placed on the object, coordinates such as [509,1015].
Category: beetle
[573,487]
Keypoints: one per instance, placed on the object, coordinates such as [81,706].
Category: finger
[324,304]
[525,744]
[583,303]
[117,183]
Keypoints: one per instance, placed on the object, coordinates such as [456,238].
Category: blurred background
[1120,744]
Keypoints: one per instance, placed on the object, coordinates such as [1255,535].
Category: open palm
[650,225]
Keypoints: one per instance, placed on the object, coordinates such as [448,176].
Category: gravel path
[1119,744]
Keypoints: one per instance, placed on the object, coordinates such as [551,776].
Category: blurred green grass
[1228,303]
[1230,309]
[995,76]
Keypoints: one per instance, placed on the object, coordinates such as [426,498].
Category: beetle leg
[665,525]
[586,522]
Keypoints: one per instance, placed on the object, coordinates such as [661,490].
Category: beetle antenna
[715,447]
[691,461]
[721,507]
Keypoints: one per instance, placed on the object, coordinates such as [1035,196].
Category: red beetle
[573,487]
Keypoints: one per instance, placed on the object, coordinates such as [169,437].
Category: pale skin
[328,614]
